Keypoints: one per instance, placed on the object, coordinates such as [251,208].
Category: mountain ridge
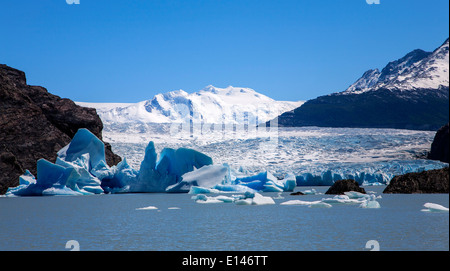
[409,93]
[230,105]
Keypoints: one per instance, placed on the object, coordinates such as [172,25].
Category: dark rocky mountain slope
[409,93]
[36,124]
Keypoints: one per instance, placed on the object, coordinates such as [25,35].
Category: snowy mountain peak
[230,90]
[230,105]
[416,70]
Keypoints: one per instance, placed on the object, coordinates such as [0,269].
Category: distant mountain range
[409,93]
[231,105]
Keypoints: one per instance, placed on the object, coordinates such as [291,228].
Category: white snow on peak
[230,105]
[417,70]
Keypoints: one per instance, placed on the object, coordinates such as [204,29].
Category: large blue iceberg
[81,169]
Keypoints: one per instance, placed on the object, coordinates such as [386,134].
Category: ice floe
[147,208]
[248,198]
[434,207]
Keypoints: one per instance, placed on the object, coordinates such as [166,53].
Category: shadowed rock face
[430,181]
[36,124]
[440,148]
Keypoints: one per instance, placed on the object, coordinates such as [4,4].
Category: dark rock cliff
[36,124]
[430,181]
[440,148]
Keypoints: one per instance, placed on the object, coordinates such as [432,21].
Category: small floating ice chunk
[200,198]
[340,199]
[233,188]
[320,205]
[243,202]
[311,192]
[355,195]
[225,199]
[433,207]
[371,204]
[147,208]
[174,208]
[299,202]
[259,199]
[279,196]
[202,190]
[63,191]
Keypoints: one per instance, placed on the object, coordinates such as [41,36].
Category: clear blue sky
[128,51]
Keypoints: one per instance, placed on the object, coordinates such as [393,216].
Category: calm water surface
[112,222]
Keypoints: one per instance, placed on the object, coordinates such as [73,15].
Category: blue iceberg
[167,172]
[266,182]
[81,169]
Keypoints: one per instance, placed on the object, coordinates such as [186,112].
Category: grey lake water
[114,222]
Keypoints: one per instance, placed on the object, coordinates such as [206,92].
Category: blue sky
[128,51]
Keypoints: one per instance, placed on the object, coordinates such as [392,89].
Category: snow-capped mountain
[416,70]
[231,105]
[409,93]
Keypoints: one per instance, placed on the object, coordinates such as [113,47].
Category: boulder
[298,193]
[341,186]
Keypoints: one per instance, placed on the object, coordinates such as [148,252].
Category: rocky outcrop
[298,193]
[341,186]
[36,124]
[430,181]
[440,148]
